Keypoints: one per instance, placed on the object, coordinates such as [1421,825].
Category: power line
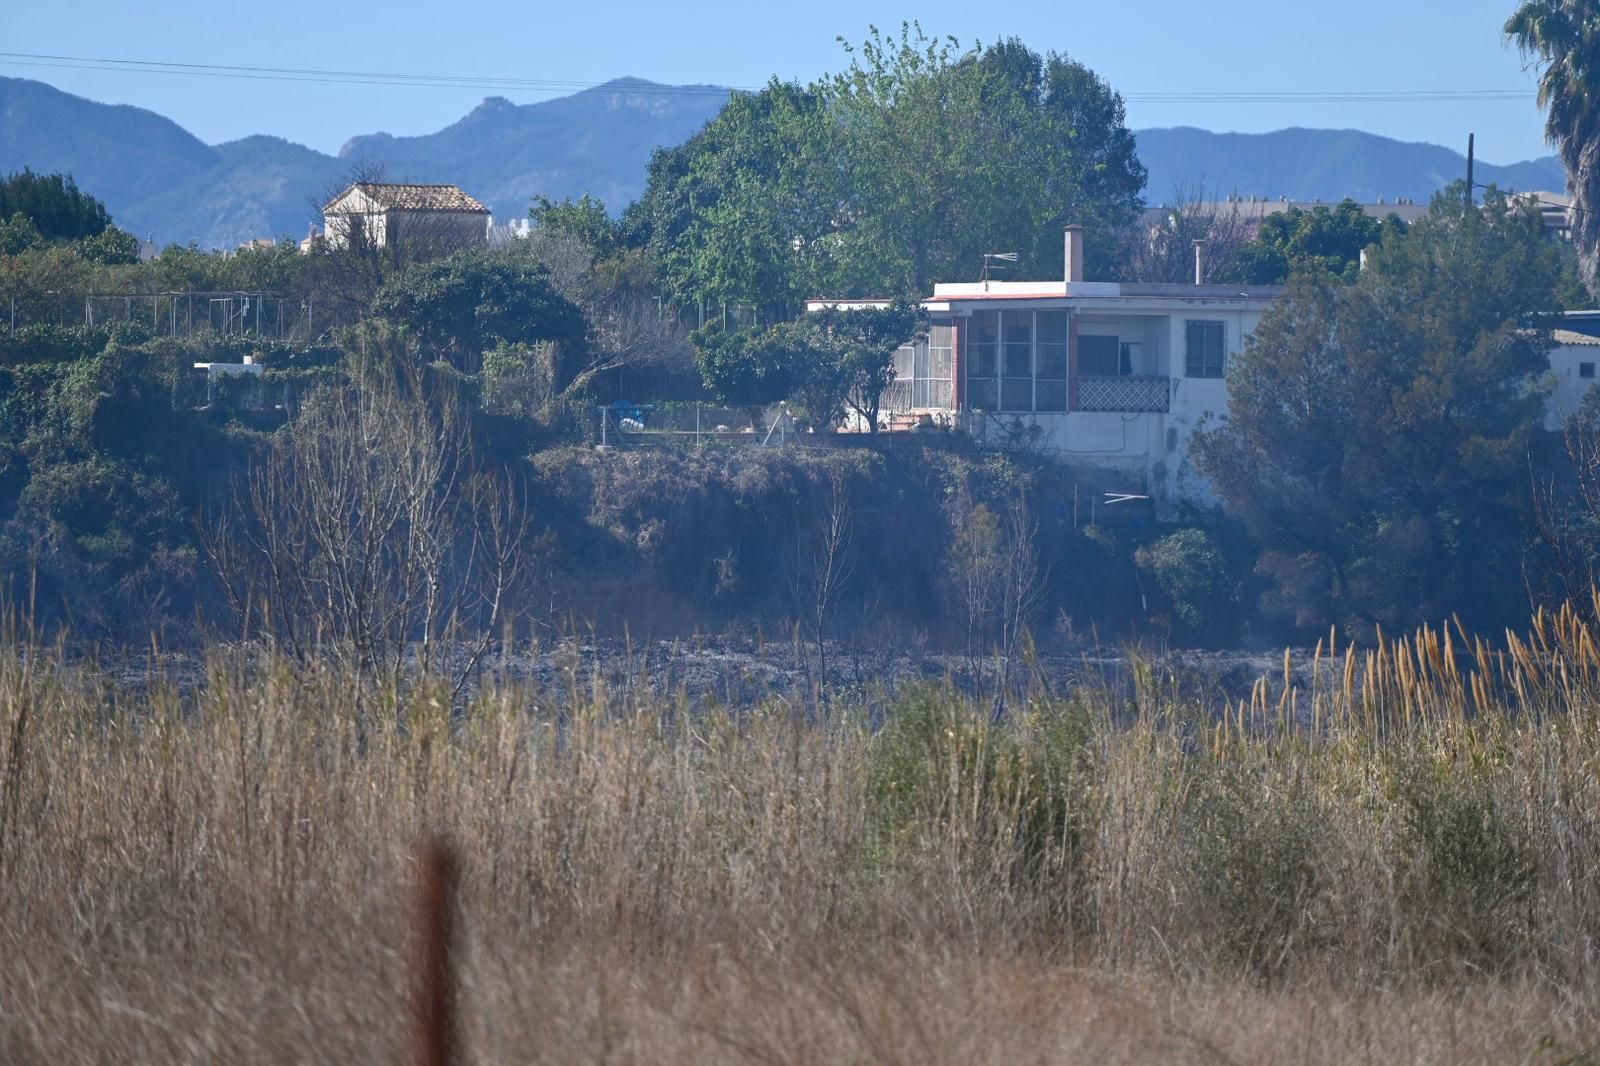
[346,77]
[513,84]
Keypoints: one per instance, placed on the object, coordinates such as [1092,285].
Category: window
[922,373]
[983,344]
[1586,370]
[1018,339]
[983,360]
[1016,361]
[1050,386]
[941,366]
[1099,357]
[898,395]
[933,367]
[1205,356]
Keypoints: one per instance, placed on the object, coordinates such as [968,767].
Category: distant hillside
[117,153]
[159,180]
[597,142]
[1303,164]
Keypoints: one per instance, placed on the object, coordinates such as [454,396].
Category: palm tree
[1564,37]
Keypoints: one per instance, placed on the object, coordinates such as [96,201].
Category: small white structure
[380,214]
[215,372]
[1572,365]
[517,229]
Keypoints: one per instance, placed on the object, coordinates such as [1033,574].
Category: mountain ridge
[159,180]
[1277,162]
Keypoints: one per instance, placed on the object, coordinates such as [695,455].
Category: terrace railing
[1127,395]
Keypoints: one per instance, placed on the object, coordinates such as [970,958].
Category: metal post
[697,424]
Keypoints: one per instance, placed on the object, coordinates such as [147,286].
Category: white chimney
[1074,254]
[1199,262]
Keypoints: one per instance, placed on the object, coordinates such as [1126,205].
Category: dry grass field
[1398,866]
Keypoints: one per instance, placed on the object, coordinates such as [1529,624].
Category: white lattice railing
[1125,394]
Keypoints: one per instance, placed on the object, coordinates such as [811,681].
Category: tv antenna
[990,258]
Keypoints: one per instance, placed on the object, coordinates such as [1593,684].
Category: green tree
[1197,581]
[860,342]
[747,209]
[1564,37]
[58,209]
[1378,431]
[110,247]
[756,367]
[1321,240]
[898,172]
[585,220]
[956,153]
[465,304]
[18,234]
[602,265]
[824,362]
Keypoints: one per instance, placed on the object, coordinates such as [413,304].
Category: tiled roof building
[429,218]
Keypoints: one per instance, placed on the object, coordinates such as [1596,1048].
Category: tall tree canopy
[1378,432]
[54,204]
[1564,37]
[894,174]
[1321,240]
[825,362]
[465,304]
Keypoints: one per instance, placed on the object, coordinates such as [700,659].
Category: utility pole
[1470,186]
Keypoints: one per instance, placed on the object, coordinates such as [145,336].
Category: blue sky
[1164,46]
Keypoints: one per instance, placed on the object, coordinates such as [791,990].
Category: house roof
[384,196]
[1570,339]
[968,293]
[1254,211]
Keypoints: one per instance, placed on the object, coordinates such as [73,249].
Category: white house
[1108,374]
[1116,375]
[441,216]
[1572,365]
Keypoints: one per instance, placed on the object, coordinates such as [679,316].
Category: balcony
[1126,395]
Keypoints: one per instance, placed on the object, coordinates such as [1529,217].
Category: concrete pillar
[1073,244]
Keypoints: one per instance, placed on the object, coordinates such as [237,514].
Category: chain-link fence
[264,315]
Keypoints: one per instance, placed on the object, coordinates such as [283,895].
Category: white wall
[448,228]
[1156,449]
[1153,449]
[1568,385]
